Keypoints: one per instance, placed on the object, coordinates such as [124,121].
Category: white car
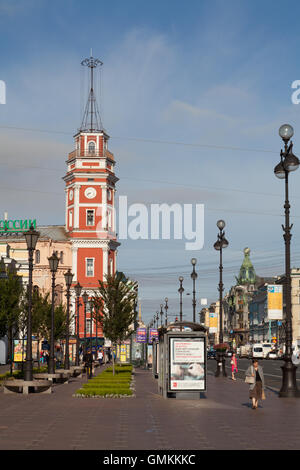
[272,355]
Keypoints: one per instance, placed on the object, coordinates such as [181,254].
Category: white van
[257,351]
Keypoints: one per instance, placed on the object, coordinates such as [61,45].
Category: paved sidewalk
[222,420]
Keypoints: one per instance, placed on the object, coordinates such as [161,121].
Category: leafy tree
[114,307]
[41,316]
[10,296]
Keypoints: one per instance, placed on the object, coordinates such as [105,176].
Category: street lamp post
[157,318]
[161,315]
[96,321]
[31,237]
[180,290]
[53,264]
[166,310]
[68,278]
[288,162]
[85,301]
[91,345]
[263,326]
[194,276]
[219,245]
[78,289]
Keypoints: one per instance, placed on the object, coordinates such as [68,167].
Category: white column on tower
[66,209]
[105,261]
[76,205]
[104,207]
[74,262]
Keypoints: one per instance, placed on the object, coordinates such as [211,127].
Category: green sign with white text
[16,225]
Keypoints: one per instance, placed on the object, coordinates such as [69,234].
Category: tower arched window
[37,256]
[92,147]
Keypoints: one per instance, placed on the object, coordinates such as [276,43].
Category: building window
[70,218]
[61,258]
[90,217]
[92,147]
[90,267]
[89,324]
[37,256]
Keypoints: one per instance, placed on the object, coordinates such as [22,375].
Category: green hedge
[18,374]
[108,384]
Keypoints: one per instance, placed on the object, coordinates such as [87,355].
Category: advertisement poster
[275,302]
[123,352]
[187,364]
[153,335]
[213,322]
[141,335]
[34,350]
[19,350]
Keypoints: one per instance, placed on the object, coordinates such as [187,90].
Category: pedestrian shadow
[247,405]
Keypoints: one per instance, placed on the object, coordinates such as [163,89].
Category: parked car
[211,354]
[272,354]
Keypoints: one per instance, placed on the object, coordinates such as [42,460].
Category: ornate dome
[247,273]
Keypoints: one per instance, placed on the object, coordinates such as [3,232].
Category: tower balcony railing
[89,153]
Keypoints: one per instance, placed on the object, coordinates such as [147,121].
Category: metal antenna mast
[91,121]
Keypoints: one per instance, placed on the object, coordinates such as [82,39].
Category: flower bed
[107,385]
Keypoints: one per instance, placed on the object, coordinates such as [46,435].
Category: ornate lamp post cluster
[161,313]
[68,278]
[219,245]
[288,163]
[31,238]
[194,276]
[53,264]
[78,289]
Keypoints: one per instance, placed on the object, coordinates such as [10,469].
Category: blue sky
[210,73]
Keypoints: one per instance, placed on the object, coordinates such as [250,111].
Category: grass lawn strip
[107,385]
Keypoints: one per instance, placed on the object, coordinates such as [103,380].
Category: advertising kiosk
[182,361]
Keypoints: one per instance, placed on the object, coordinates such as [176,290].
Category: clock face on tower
[90,193]
[71,194]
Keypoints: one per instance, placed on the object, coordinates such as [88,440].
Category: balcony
[88,153]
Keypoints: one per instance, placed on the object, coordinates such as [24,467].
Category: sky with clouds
[192,95]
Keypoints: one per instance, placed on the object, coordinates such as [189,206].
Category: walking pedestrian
[100,357]
[138,358]
[234,368]
[255,378]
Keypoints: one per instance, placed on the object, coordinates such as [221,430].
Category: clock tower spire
[90,200]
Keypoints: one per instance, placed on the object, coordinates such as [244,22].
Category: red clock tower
[90,203]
